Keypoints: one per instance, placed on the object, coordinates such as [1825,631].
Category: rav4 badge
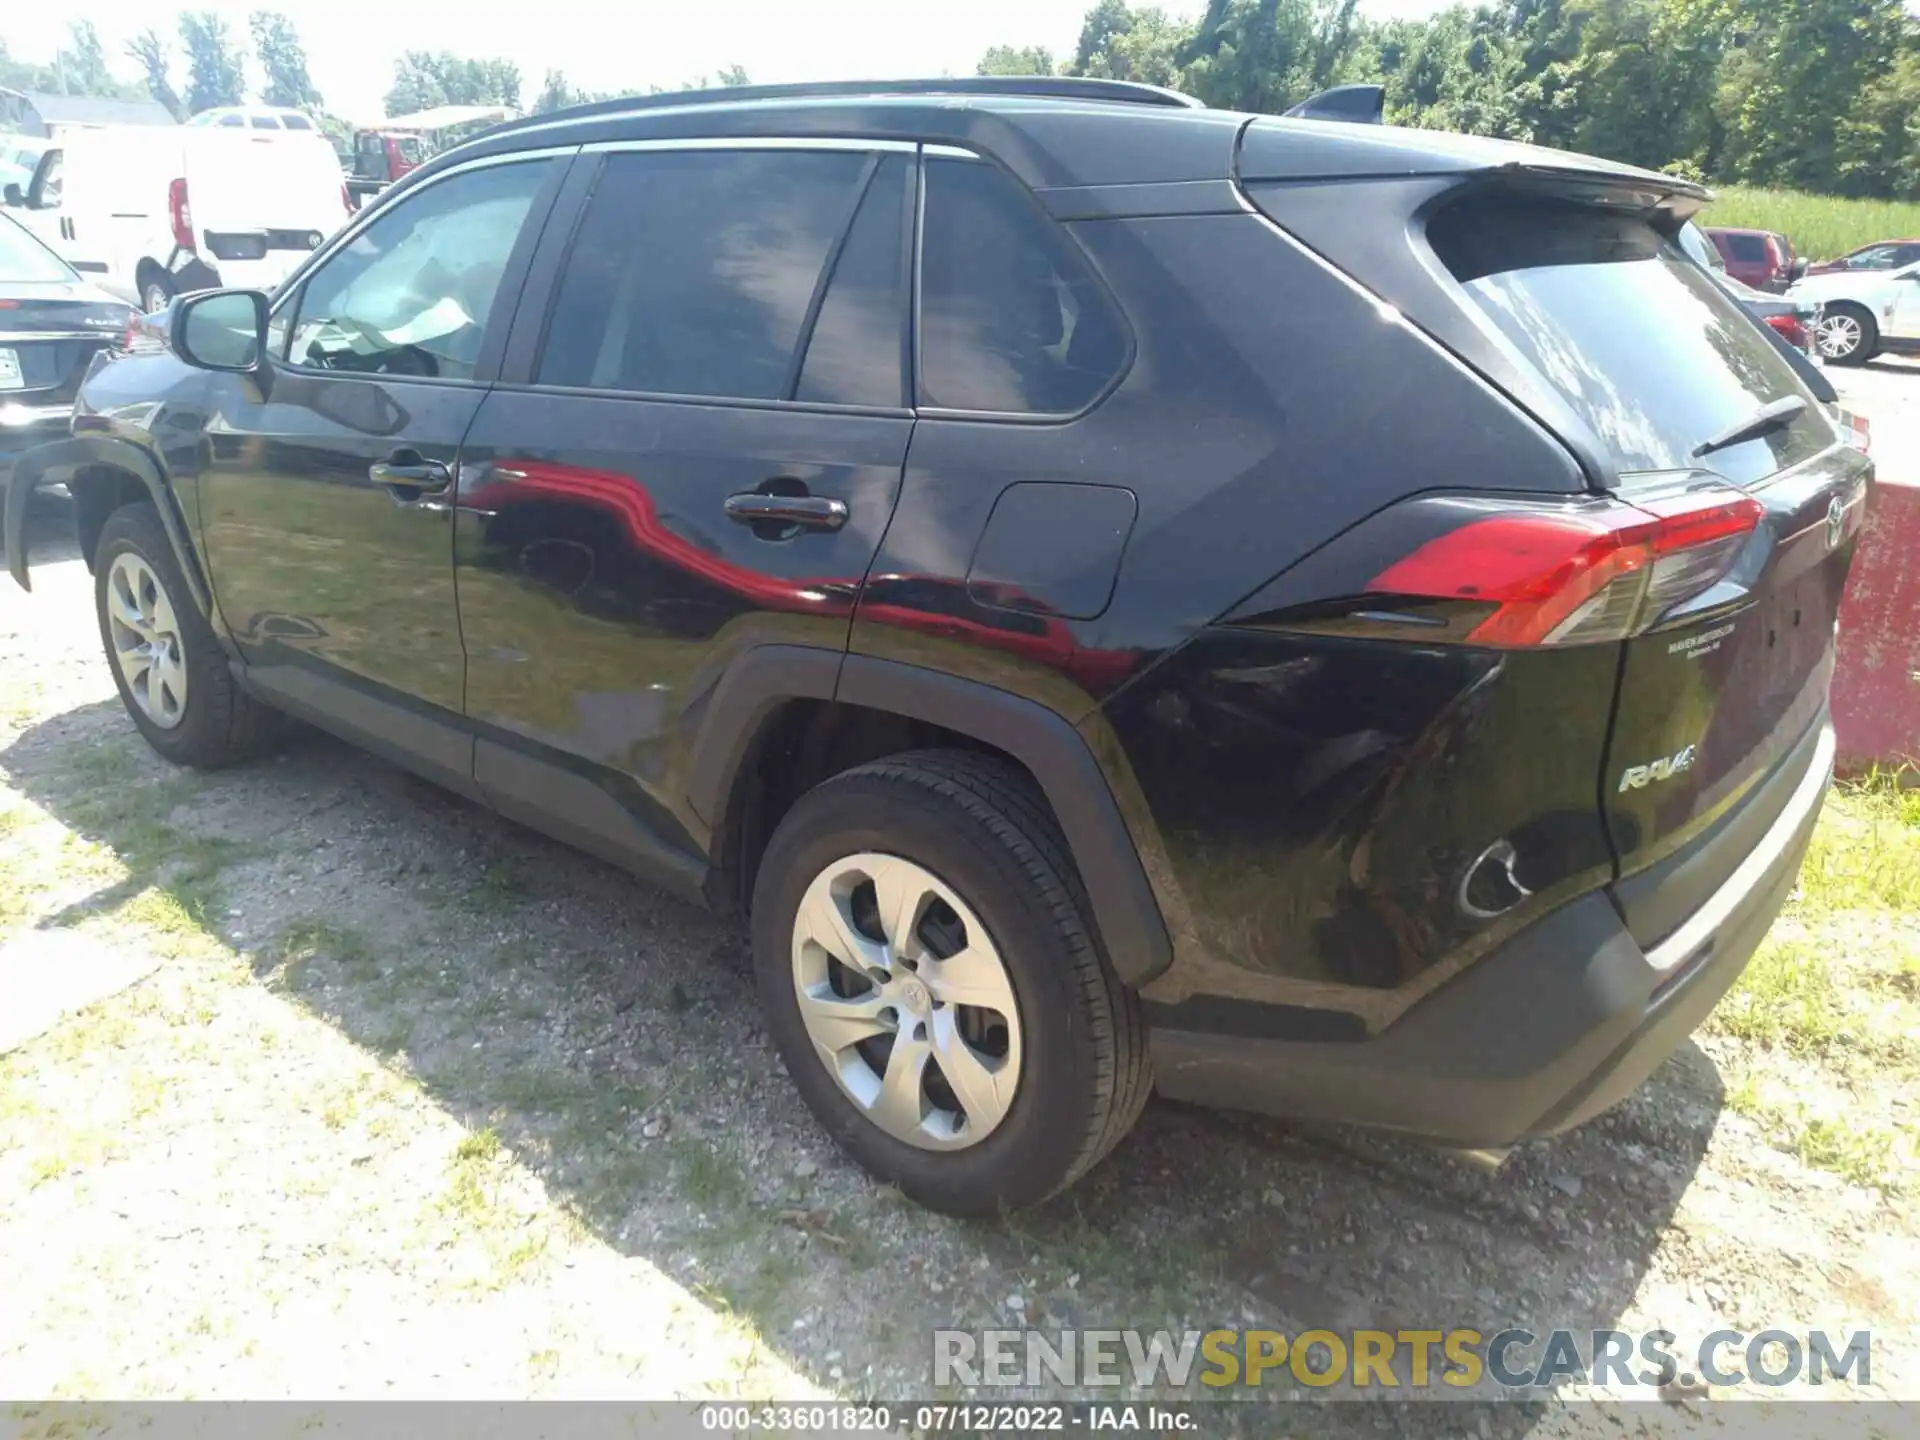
[1637,777]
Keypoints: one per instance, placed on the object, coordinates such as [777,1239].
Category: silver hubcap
[1839,336]
[906,1001]
[145,640]
[156,299]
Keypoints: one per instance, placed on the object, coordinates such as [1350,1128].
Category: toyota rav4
[1304,616]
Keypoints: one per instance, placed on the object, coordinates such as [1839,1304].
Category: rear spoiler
[1356,104]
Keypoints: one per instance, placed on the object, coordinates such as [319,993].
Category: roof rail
[1356,104]
[1055,87]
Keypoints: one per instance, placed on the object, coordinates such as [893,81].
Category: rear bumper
[24,426]
[1556,1026]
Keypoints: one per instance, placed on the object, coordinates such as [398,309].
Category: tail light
[1790,328]
[180,215]
[1570,578]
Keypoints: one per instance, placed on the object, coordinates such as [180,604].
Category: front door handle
[810,512]
[409,478]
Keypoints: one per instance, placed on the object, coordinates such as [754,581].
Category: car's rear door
[694,448]
[326,498]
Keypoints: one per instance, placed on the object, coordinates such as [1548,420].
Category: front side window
[411,294]
[693,271]
[1011,319]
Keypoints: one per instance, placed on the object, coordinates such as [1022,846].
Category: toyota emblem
[1836,521]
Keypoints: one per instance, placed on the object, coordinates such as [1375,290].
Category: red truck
[381,157]
[1763,259]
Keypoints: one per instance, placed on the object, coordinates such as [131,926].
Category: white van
[148,211]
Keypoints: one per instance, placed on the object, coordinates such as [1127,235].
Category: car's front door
[694,448]
[1900,308]
[326,498]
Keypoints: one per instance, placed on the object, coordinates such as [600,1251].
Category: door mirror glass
[220,330]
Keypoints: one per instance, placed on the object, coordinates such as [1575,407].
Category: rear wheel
[931,983]
[167,665]
[1847,335]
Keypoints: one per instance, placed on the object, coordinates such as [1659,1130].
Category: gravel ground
[411,1102]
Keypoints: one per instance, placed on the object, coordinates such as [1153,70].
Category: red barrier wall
[1876,685]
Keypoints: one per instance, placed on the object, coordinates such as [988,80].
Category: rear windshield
[1640,341]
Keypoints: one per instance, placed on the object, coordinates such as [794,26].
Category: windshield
[23,258]
[1643,345]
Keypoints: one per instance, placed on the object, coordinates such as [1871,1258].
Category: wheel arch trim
[60,462]
[1125,912]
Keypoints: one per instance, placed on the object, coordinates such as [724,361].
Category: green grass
[1820,226]
[1787,999]
[1866,853]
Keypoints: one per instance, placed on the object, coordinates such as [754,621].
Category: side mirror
[1797,270]
[223,330]
[12,194]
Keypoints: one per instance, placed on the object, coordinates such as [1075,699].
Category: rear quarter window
[1645,348]
[1011,319]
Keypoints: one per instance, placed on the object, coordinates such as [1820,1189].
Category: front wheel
[156,293]
[930,980]
[1847,335]
[167,665]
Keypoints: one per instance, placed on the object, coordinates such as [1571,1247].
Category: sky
[607,44]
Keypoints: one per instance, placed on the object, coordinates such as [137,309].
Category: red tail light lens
[1572,578]
[180,215]
[1790,328]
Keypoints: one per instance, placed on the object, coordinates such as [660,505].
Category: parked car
[52,323]
[255,117]
[1763,259]
[149,211]
[918,527]
[1882,255]
[1865,313]
[1792,324]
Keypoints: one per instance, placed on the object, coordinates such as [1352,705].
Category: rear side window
[1641,342]
[1011,318]
[693,272]
[296,122]
[856,354]
[1747,248]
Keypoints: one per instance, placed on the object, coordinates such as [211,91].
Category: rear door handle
[811,512]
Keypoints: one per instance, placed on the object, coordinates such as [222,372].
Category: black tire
[220,724]
[1869,344]
[981,827]
[157,291]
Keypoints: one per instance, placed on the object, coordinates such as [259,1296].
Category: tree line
[217,63]
[1820,95]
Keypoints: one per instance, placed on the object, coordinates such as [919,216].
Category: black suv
[1309,616]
